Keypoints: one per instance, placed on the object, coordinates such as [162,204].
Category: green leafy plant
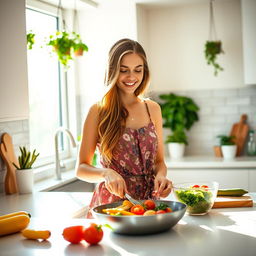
[226,140]
[212,49]
[64,44]
[177,137]
[179,114]
[30,40]
[79,46]
[26,159]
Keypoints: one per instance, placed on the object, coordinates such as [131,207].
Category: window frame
[67,96]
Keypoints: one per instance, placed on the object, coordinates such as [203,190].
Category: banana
[36,234]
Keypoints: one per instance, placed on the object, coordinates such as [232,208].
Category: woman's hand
[114,183]
[162,187]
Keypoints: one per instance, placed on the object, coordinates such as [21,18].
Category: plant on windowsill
[179,114]
[228,146]
[30,40]
[24,172]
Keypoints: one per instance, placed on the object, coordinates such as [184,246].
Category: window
[47,100]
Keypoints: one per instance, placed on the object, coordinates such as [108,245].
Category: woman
[127,130]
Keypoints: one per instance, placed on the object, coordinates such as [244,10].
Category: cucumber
[232,192]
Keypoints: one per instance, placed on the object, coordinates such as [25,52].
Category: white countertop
[211,162]
[224,232]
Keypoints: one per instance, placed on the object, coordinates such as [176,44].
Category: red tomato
[196,186]
[149,204]
[168,209]
[160,212]
[73,234]
[93,234]
[138,209]
[204,186]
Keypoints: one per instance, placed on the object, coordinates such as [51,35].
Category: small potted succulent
[30,40]
[228,146]
[212,49]
[179,114]
[24,172]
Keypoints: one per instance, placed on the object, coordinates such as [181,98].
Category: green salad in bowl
[199,197]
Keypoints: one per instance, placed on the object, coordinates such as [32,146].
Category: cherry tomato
[138,209]
[205,187]
[160,212]
[196,186]
[93,234]
[73,234]
[149,204]
[168,209]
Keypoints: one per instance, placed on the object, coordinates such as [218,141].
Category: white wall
[100,28]
[176,37]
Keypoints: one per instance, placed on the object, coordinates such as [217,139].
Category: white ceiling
[149,4]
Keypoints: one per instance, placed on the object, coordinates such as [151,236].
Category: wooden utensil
[240,131]
[9,157]
[232,201]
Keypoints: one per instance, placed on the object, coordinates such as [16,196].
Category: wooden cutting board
[233,201]
[8,155]
[240,131]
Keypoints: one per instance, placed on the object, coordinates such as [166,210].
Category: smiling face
[131,73]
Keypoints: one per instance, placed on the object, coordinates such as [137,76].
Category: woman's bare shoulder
[153,105]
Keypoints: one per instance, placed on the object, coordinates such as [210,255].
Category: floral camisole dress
[134,160]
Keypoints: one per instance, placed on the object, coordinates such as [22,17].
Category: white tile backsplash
[219,110]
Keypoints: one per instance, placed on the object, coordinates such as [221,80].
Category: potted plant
[24,172]
[64,44]
[79,46]
[228,146]
[212,49]
[176,144]
[30,40]
[179,114]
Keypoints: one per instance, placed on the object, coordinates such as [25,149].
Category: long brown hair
[112,113]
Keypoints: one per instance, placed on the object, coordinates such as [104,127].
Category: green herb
[161,206]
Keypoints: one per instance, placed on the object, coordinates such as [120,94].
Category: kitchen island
[227,232]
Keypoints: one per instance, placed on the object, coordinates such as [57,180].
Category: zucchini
[232,192]
[13,224]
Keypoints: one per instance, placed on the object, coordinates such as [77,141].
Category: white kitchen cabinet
[14,102]
[252,180]
[249,40]
[227,178]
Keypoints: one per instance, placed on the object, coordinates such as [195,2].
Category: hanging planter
[30,40]
[79,47]
[66,46]
[62,44]
[213,47]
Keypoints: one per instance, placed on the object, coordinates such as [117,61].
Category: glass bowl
[199,197]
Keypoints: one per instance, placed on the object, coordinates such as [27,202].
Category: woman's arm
[163,186]
[84,169]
